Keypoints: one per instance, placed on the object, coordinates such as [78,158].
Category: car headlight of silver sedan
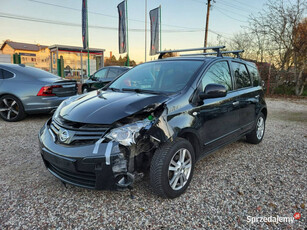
[127,134]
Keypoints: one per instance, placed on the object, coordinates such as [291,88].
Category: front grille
[78,136]
[82,179]
[79,125]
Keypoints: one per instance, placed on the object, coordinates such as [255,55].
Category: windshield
[164,77]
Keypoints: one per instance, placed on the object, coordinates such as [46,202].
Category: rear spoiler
[66,82]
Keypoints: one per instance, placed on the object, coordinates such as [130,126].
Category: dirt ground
[229,187]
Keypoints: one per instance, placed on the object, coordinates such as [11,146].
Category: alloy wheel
[9,108]
[179,169]
[260,127]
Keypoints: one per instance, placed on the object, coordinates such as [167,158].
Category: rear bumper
[77,165]
[39,104]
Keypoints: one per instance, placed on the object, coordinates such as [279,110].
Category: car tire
[172,168]
[11,109]
[256,136]
[85,89]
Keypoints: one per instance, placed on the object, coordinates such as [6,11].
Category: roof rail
[235,52]
[215,48]
[200,54]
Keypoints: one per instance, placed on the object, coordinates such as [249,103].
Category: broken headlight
[127,134]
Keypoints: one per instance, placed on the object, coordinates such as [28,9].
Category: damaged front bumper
[105,162]
[105,167]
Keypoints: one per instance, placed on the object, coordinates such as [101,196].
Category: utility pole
[88,49]
[126,4]
[145,30]
[160,28]
[207,23]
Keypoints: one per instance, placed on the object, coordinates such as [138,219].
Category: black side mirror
[213,91]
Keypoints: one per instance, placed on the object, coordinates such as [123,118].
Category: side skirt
[208,153]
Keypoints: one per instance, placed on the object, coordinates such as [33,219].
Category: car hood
[108,107]
[88,81]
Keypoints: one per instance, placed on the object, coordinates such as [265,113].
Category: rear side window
[4,74]
[254,75]
[218,73]
[242,77]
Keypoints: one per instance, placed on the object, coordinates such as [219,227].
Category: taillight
[46,91]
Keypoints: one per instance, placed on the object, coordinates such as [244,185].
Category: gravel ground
[238,181]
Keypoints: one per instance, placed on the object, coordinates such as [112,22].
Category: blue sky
[183,22]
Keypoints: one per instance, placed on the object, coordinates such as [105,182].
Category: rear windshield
[164,76]
[35,72]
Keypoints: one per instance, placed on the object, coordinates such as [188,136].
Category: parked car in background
[27,90]
[103,77]
[162,116]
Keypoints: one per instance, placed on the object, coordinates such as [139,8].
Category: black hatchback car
[160,116]
[102,77]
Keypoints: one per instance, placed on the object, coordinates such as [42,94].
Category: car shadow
[35,117]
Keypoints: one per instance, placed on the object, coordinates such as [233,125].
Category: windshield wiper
[114,89]
[131,89]
[142,90]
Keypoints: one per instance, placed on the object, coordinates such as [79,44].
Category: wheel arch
[10,94]
[191,136]
[264,110]
[85,85]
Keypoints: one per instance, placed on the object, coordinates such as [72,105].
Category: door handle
[235,103]
[195,113]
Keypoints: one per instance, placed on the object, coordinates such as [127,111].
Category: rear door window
[241,75]
[218,73]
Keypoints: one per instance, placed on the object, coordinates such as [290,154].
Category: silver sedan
[27,90]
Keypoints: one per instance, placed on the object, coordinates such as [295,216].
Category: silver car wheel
[260,127]
[85,90]
[9,108]
[179,169]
